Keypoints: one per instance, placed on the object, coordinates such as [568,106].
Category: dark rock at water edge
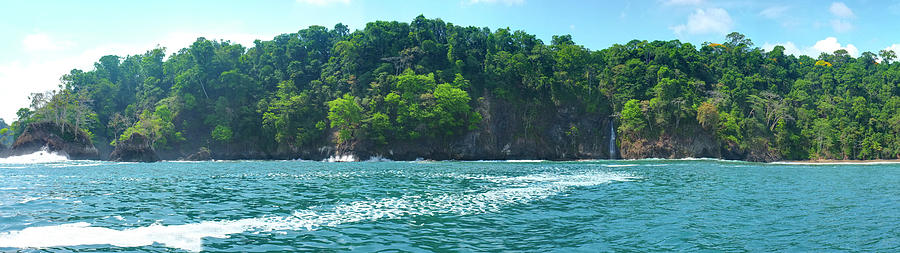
[202,155]
[62,138]
[136,148]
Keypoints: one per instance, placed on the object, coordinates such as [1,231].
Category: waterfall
[612,139]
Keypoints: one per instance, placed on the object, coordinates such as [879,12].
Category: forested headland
[435,90]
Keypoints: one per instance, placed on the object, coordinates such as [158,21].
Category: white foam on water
[509,161]
[619,165]
[42,156]
[77,164]
[518,190]
[341,158]
[29,199]
[838,163]
[378,158]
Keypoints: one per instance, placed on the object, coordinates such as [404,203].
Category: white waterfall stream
[612,139]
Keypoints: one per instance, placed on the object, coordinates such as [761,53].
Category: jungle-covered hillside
[430,82]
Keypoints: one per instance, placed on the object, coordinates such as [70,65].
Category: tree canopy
[395,82]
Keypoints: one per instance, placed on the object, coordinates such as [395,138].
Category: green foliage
[393,82]
[5,136]
[707,115]
[222,133]
[345,115]
[633,119]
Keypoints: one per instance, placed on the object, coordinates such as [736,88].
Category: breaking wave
[42,156]
[341,158]
[513,190]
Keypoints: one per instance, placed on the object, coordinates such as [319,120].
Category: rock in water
[60,138]
[134,149]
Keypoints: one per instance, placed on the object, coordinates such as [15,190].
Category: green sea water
[590,206]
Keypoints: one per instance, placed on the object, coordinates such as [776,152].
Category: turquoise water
[251,206]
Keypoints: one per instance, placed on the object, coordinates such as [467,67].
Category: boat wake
[514,190]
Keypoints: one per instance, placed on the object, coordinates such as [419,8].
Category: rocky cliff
[508,131]
[691,143]
[136,148]
[61,138]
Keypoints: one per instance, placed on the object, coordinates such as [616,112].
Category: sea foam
[42,156]
[341,158]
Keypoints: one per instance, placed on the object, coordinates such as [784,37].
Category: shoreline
[532,160]
[835,162]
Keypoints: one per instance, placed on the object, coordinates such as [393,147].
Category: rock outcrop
[61,138]
[202,155]
[134,149]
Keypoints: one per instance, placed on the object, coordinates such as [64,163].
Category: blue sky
[44,39]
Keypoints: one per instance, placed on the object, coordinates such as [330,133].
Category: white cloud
[21,77]
[506,2]
[827,45]
[682,2]
[830,44]
[789,48]
[841,13]
[841,25]
[840,9]
[706,21]
[895,47]
[774,12]
[42,42]
[323,2]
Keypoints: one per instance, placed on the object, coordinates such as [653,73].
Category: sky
[42,40]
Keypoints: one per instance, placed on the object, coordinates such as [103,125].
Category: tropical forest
[434,90]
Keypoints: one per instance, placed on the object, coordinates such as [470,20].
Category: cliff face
[516,131]
[61,138]
[135,149]
[692,143]
[508,131]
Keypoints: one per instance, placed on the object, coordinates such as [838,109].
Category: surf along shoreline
[44,154]
[832,162]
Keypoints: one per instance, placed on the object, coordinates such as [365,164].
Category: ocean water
[54,205]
